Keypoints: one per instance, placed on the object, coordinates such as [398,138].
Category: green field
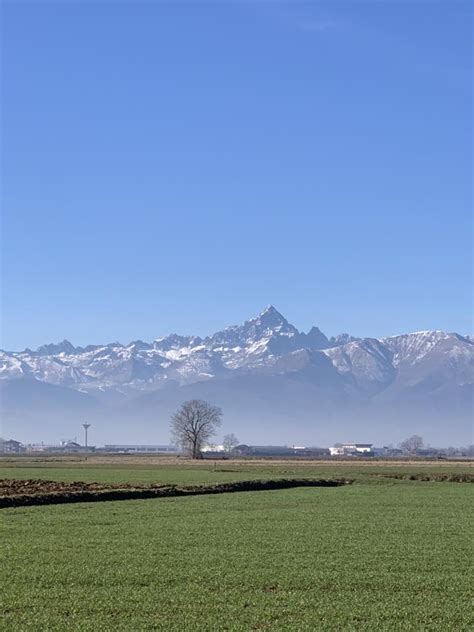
[380,554]
[184,472]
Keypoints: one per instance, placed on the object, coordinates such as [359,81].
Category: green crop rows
[394,555]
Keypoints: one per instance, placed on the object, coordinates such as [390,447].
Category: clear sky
[177,166]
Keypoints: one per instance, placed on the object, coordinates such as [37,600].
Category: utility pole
[85,426]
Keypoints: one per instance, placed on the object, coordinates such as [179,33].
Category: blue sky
[178,166]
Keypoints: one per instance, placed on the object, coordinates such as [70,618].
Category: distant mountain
[275,383]
[55,349]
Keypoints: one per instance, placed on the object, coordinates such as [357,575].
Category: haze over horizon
[273,381]
[313,156]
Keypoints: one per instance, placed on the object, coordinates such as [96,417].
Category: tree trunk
[196,453]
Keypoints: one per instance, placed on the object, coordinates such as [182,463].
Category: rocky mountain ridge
[429,373]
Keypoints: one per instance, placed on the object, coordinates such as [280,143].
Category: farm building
[11,446]
[351,449]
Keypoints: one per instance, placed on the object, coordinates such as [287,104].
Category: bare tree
[230,442]
[412,444]
[469,450]
[194,424]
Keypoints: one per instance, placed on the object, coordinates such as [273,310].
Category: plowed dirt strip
[17,493]
[14,487]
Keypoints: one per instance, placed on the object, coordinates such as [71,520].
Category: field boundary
[431,478]
[65,497]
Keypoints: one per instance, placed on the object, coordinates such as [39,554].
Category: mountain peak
[315,339]
[270,309]
[271,316]
[271,328]
[54,348]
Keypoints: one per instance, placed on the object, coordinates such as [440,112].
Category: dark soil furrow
[52,493]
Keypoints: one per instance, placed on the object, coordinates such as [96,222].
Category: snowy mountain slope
[412,348]
[367,363]
[430,365]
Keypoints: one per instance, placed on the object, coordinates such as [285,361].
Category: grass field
[381,554]
[143,469]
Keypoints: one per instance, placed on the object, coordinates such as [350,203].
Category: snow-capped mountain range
[423,375]
[255,345]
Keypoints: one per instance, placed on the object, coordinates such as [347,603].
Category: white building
[213,447]
[351,449]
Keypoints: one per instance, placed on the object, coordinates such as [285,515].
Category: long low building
[278,450]
[139,448]
[351,449]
